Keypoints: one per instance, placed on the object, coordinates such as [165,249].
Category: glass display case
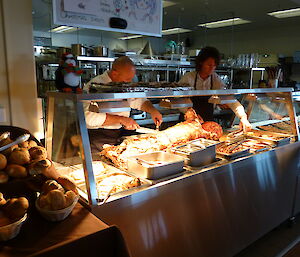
[110,173]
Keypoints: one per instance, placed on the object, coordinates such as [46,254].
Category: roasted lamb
[173,136]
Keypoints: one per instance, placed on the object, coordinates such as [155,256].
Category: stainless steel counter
[209,213]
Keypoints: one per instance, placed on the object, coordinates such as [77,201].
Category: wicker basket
[56,215]
[12,230]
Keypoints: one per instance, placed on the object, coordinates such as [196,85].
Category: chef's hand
[156,117]
[129,123]
[276,116]
[245,124]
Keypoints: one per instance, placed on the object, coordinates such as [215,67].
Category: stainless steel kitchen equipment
[232,204]
[197,153]
[273,137]
[79,49]
[100,51]
[155,165]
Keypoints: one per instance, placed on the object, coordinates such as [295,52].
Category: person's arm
[239,111]
[271,112]
[155,114]
[236,107]
[146,106]
[126,122]
[94,119]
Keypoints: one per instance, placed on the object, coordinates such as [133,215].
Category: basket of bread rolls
[57,199]
[13,213]
[23,160]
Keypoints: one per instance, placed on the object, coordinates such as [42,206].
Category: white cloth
[95,120]
[216,83]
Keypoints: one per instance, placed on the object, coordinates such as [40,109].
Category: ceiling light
[168,4]
[224,23]
[61,29]
[285,13]
[174,31]
[130,37]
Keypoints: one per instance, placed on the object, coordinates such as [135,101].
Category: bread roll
[67,183]
[51,185]
[39,166]
[70,197]
[2,200]
[43,202]
[19,156]
[38,152]
[4,220]
[3,177]
[32,143]
[56,199]
[24,144]
[16,171]
[4,142]
[16,208]
[3,161]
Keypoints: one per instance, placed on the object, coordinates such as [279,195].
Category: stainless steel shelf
[165,94]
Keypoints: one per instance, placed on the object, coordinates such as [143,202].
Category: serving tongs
[237,145]
[108,195]
[4,135]
[141,162]
[19,140]
[236,133]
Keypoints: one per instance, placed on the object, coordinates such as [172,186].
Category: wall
[88,38]
[157,44]
[282,40]
[5,116]
[19,68]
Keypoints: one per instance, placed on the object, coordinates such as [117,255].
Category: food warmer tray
[155,165]
[198,152]
[234,155]
[109,169]
[277,138]
[216,162]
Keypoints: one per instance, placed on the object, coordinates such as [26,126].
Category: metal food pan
[198,156]
[170,164]
[284,138]
[235,155]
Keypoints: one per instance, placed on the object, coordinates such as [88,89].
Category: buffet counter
[215,208]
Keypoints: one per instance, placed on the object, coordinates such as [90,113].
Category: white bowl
[56,215]
[11,230]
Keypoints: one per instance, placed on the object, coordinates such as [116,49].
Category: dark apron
[99,137]
[201,104]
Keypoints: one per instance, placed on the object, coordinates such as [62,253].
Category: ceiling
[189,13]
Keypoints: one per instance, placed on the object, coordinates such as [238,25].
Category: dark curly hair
[205,53]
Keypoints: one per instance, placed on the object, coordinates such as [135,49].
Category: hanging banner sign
[128,16]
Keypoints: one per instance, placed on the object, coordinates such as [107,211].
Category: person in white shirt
[205,78]
[105,128]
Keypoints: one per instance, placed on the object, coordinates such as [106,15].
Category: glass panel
[267,112]
[66,142]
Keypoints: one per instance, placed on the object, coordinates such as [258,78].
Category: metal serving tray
[235,155]
[197,153]
[109,171]
[284,138]
[143,165]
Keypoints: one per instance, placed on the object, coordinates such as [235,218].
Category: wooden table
[81,234]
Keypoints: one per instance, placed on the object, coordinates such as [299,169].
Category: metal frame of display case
[79,99]
[233,203]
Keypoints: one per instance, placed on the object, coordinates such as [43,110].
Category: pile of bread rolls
[12,209]
[57,194]
[22,160]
